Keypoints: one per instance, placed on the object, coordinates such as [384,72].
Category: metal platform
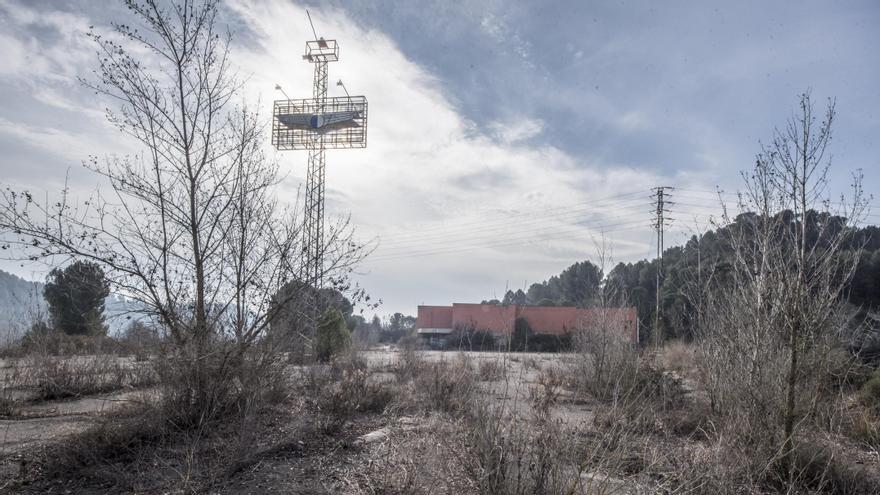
[336,122]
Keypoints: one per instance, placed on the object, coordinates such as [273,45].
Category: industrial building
[435,323]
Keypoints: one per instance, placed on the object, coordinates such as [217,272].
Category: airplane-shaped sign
[322,122]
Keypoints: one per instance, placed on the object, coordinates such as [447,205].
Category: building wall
[542,319]
[434,317]
[488,317]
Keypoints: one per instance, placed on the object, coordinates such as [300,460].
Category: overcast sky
[504,136]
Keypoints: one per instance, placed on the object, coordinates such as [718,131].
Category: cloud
[518,130]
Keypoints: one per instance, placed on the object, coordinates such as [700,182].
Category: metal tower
[661,220]
[317,124]
[313,269]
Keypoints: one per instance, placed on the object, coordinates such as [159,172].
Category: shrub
[141,340]
[445,387]
[606,363]
[43,340]
[60,378]
[333,336]
[491,370]
[471,340]
[345,388]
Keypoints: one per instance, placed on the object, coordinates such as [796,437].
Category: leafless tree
[191,228]
[605,355]
[776,314]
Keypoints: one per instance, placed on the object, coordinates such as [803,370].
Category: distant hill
[21,303]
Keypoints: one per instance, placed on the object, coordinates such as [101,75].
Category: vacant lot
[395,421]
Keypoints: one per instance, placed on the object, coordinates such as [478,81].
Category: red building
[435,321]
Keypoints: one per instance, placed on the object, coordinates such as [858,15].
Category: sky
[506,139]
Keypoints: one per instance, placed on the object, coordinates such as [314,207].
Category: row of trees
[577,285]
[391,330]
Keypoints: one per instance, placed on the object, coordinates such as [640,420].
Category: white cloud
[514,131]
[59,57]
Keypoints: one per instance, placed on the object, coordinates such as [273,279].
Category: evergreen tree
[75,296]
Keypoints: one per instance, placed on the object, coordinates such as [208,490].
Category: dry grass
[491,370]
[43,378]
[679,357]
[60,378]
[645,434]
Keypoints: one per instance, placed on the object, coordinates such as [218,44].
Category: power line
[525,236]
[490,226]
[416,244]
[589,205]
[640,226]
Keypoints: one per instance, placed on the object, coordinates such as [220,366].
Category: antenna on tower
[311,24]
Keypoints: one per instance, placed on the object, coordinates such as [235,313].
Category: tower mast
[316,124]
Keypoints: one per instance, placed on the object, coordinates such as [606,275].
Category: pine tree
[76,298]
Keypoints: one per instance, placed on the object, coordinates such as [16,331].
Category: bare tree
[191,228]
[777,312]
[606,356]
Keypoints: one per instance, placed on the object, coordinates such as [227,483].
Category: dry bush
[824,468]
[490,370]
[398,465]
[507,456]
[149,446]
[141,340]
[409,362]
[864,428]
[345,388]
[59,378]
[535,453]
[530,363]
[45,341]
[212,389]
[605,362]
[678,356]
[139,450]
[107,455]
[8,405]
[445,387]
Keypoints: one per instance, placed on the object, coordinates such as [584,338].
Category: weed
[491,370]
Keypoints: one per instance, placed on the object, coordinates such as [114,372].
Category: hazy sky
[504,137]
